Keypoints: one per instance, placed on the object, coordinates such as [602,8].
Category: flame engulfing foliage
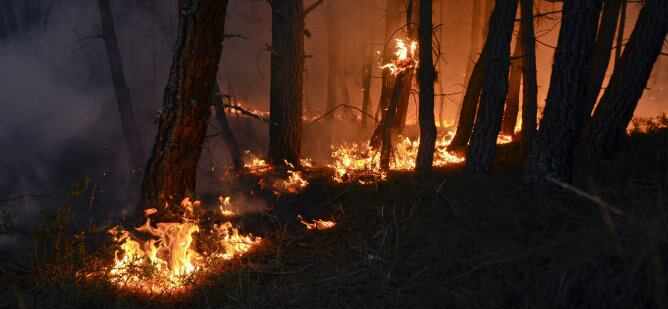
[318,224]
[404,58]
[168,260]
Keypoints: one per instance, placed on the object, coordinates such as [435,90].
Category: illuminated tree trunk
[603,51]
[553,152]
[513,99]
[392,23]
[480,155]
[426,75]
[604,134]
[129,124]
[287,81]
[412,19]
[171,170]
[530,84]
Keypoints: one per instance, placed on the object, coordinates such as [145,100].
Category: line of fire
[334,153]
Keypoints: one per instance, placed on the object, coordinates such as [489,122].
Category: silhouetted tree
[226,133]
[553,152]
[606,131]
[333,51]
[426,75]
[392,24]
[480,155]
[529,82]
[123,98]
[603,51]
[513,98]
[171,169]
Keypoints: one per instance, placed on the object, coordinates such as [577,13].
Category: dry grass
[447,240]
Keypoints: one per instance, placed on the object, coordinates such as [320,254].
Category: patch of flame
[318,224]
[404,58]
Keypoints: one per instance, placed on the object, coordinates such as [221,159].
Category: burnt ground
[446,240]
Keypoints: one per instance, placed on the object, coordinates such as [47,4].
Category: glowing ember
[504,139]
[404,58]
[224,207]
[318,224]
[255,165]
[168,259]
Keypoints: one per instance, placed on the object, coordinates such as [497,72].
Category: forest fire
[404,57]
[171,256]
[318,224]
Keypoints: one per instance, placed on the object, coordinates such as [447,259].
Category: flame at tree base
[174,254]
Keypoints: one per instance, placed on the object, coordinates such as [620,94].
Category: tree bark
[620,33]
[530,84]
[129,124]
[513,99]
[480,156]
[603,51]
[412,19]
[604,134]
[171,171]
[385,133]
[225,130]
[469,105]
[553,152]
[287,81]
[392,23]
[426,75]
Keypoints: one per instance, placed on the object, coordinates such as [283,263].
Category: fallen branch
[347,106]
[246,112]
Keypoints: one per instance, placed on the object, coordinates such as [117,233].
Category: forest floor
[446,240]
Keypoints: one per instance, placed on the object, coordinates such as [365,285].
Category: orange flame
[318,224]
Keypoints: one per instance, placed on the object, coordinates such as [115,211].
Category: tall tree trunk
[412,19]
[225,130]
[426,75]
[367,71]
[287,81]
[171,171]
[513,99]
[392,23]
[333,51]
[603,51]
[3,24]
[620,33]
[130,130]
[469,105]
[383,138]
[606,131]
[530,84]
[480,157]
[553,152]
[10,15]
[474,45]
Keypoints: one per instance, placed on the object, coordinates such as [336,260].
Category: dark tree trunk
[367,71]
[3,24]
[603,51]
[530,84]
[620,33]
[392,23]
[480,157]
[553,151]
[606,131]
[171,171]
[469,105]
[333,51]
[385,133]
[412,19]
[513,99]
[225,130]
[130,130]
[474,46]
[426,75]
[287,80]
[489,6]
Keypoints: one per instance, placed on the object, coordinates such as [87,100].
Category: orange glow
[318,224]
[404,58]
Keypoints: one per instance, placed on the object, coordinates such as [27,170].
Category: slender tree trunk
[603,51]
[474,46]
[130,129]
[287,80]
[553,152]
[513,99]
[480,156]
[530,84]
[225,130]
[386,124]
[426,75]
[412,19]
[333,50]
[606,131]
[367,71]
[171,170]
[392,24]
[620,33]
[469,105]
